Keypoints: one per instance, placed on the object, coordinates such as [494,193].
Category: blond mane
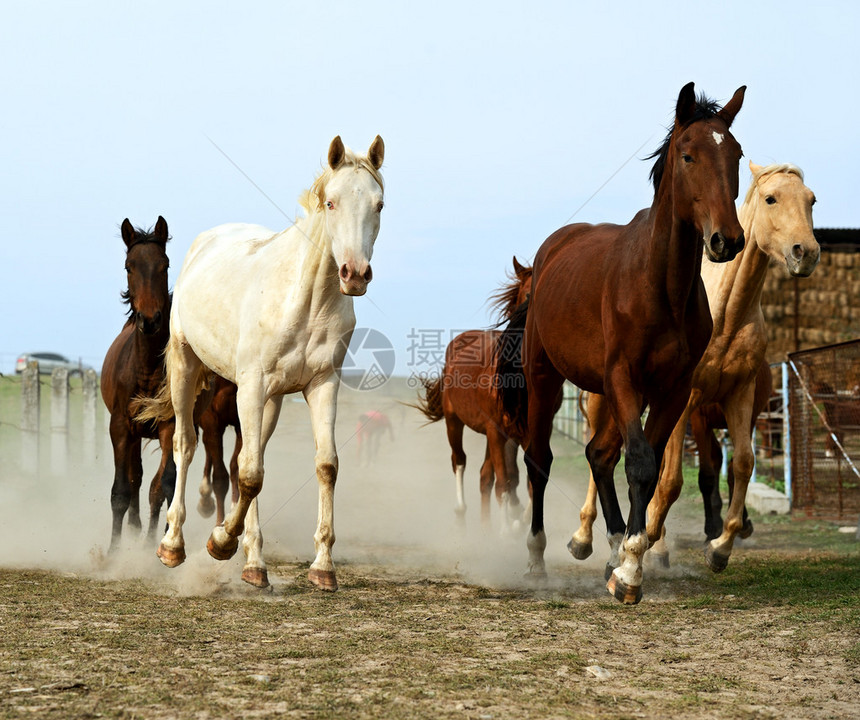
[749,204]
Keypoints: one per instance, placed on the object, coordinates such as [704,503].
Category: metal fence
[824,396]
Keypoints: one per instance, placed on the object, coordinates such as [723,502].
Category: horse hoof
[536,578]
[258,577]
[607,571]
[746,530]
[323,579]
[206,506]
[169,556]
[622,592]
[222,552]
[716,561]
[660,560]
[579,550]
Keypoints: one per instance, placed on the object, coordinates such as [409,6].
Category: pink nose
[352,282]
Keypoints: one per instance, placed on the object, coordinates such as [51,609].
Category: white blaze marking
[718,137]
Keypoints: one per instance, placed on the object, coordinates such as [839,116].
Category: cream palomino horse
[777,219]
[273,313]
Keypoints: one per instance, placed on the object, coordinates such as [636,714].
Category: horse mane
[503,302]
[312,200]
[751,199]
[705,110]
[141,237]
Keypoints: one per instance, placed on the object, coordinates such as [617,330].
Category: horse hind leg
[488,480]
[255,571]
[454,428]
[581,542]
[163,485]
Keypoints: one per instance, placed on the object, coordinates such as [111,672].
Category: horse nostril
[717,244]
[797,252]
[368,275]
[345,273]
[156,319]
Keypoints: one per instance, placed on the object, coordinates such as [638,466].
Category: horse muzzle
[720,249]
[353,282]
[802,260]
[148,326]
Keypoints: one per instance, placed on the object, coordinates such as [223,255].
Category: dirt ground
[433,618]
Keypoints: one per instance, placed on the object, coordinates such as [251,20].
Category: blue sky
[500,120]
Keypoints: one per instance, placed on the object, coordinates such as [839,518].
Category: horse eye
[770,200]
[687,158]
[814,200]
[380,206]
[329,204]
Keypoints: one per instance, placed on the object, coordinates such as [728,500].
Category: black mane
[705,109]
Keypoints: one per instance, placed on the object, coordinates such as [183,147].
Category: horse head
[703,158]
[146,265]
[352,195]
[782,217]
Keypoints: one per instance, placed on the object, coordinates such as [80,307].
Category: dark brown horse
[134,367]
[465,396]
[621,311]
[221,414]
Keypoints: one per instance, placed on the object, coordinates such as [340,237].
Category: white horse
[273,313]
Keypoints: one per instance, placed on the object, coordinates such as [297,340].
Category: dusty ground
[432,620]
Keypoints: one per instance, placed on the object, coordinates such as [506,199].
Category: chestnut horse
[621,311]
[133,367]
[273,313]
[465,396]
[221,414]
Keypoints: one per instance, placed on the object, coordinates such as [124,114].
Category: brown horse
[221,414]
[371,427]
[133,367]
[621,311]
[465,396]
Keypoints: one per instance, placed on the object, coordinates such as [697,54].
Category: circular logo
[369,360]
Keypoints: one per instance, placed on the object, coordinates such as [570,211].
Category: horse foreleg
[738,412]
[184,366]
[255,572]
[581,542]
[135,480]
[120,496]
[710,459]
[668,490]
[322,402]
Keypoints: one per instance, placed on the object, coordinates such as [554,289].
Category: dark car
[48,361]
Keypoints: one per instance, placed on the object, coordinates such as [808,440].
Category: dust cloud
[395,510]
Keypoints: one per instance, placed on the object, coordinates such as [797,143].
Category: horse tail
[431,403]
[159,407]
[510,380]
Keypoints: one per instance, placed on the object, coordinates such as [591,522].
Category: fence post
[90,393]
[30,395]
[786,431]
[59,420]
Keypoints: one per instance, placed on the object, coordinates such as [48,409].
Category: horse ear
[161,230]
[686,107]
[376,154]
[518,269]
[733,106]
[336,153]
[127,232]
[755,169]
